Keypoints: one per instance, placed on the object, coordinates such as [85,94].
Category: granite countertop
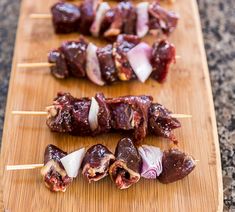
[218,24]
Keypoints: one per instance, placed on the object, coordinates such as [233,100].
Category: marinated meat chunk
[107,20]
[107,65]
[65,17]
[88,9]
[53,172]
[80,114]
[104,116]
[69,114]
[161,19]
[130,113]
[162,56]
[160,121]
[175,165]
[125,171]
[123,21]
[96,162]
[59,69]
[60,113]
[130,17]
[53,153]
[124,44]
[75,56]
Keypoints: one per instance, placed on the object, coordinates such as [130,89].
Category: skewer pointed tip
[181,116]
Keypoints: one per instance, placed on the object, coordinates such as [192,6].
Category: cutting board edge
[212,109]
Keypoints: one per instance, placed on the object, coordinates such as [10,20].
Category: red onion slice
[142,26]
[139,59]
[152,161]
[93,114]
[100,14]
[72,162]
[92,65]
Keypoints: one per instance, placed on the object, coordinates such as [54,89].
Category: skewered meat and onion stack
[137,115]
[125,167]
[127,59]
[97,18]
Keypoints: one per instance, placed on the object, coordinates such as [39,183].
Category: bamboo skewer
[35,113]
[34,65]
[40,16]
[33,166]
[44,64]
[23,167]
[42,113]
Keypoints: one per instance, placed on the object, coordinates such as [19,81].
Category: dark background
[218,25]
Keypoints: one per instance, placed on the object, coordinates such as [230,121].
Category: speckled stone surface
[218,25]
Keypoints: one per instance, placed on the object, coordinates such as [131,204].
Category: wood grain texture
[187,90]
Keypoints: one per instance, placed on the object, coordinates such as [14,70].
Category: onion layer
[152,161]
[72,162]
[139,58]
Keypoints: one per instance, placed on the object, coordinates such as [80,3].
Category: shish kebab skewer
[138,115]
[98,18]
[125,167]
[127,59]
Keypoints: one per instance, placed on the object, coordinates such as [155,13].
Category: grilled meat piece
[96,162]
[53,172]
[125,171]
[175,165]
[65,17]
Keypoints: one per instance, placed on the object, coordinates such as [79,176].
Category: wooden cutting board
[187,90]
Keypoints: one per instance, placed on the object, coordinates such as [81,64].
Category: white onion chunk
[72,162]
[92,65]
[152,161]
[93,114]
[139,59]
[142,22]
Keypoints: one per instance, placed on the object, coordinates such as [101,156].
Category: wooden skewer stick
[40,16]
[180,115]
[34,65]
[32,166]
[44,64]
[42,113]
[39,113]
[23,167]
